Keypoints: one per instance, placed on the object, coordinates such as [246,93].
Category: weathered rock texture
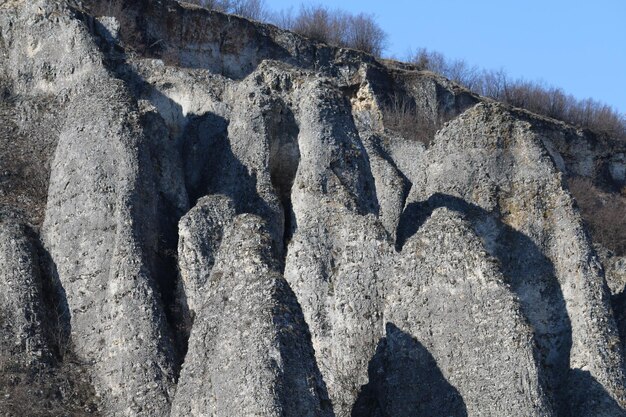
[451,296]
[199,236]
[207,216]
[496,170]
[265,366]
[25,332]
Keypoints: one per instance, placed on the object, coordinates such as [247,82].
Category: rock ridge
[201,215]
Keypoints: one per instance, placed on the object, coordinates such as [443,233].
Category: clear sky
[577,45]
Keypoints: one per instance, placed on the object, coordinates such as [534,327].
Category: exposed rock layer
[234,227]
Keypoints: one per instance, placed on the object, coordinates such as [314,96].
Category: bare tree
[456,70]
[320,24]
[252,9]
[284,18]
[364,34]
[401,116]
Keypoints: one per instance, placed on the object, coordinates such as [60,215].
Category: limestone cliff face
[212,217]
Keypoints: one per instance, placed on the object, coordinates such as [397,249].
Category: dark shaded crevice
[284,160]
[618,305]
[55,303]
[204,147]
[588,398]
[290,225]
[170,203]
[220,170]
[166,277]
[299,361]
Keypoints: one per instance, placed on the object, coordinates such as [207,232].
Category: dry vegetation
[63,390]
[604,213]
[533,96]
[335,27]
[252,9]
[402,117]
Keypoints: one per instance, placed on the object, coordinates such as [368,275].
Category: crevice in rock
[618,304]
[284,159]
[54,301]
[166,276]
[204,149]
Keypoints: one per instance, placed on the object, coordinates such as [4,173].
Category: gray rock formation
[105,212]
[200,234]
[496,170]
[249,351]
[233,224]
[452,298]
[23,322]
[100,200]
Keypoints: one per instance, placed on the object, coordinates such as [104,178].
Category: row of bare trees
[533,96]
[335,27]
[252,9]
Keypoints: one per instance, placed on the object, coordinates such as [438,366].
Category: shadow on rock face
[299,363]
[618,302]
[588,398]
[529,272]
[404,380]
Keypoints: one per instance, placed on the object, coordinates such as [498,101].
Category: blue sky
[577,45]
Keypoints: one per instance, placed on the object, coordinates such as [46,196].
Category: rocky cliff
[207,216]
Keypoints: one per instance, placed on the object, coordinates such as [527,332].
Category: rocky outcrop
[451,297]
[494,169]
[249,351]
[26,334]
[229,222]
[105,212]
[200,234]
[96,226]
